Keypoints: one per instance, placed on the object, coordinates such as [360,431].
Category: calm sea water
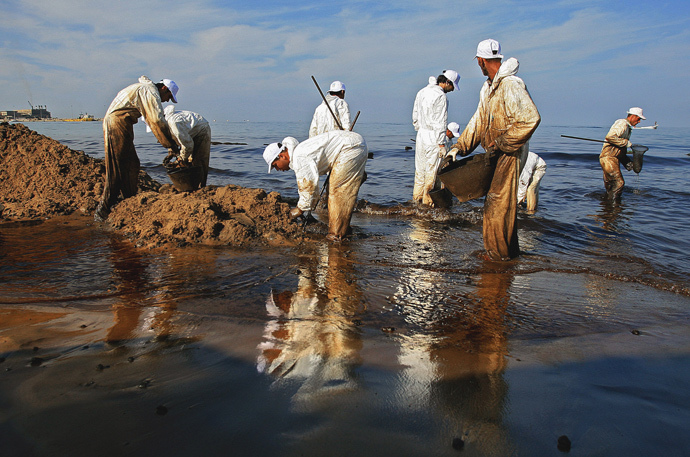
[649,229]
[585,334]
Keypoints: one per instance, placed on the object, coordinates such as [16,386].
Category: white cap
[271,153]
[637,112]
[290,143]
[454,129]
[453,76]
[489,49]
[170,84]
[336,86]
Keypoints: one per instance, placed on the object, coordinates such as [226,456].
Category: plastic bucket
[186,179]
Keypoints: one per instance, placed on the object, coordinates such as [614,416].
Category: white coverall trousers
[425,161]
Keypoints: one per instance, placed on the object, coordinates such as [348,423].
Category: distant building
[37,112]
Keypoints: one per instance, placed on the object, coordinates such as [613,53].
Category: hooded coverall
[341,153]
[430,120]
[121,160]
[323,119]
[530,179]
[193,133]
[613,155]
[507,117]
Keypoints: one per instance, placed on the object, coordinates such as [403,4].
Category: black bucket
[638,154]
[186,179]
[442,198]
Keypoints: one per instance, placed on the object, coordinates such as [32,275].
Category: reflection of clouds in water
[309,336]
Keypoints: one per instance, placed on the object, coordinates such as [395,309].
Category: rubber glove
[629,166]
[441,152]
[453,153]
[295,213]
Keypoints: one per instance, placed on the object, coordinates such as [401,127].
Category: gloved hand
[295,213]
[453,152]
[442,152]
[629,166]
[171,155]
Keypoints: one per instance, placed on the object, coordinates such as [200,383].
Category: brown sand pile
[229,215]
[40,178]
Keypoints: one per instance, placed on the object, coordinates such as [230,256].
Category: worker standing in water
[192,133]
[613,152]
[341,153]
[430,118]
[323,121]
[505,119]
[121,161]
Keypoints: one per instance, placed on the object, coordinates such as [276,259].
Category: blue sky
[584,62]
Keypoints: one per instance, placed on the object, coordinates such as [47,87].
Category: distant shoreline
[35,119]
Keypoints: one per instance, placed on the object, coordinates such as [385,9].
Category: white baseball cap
[454,129]
[453,76]
[489,49]
[170,84]
[336,86]
[271,153]
[637,112]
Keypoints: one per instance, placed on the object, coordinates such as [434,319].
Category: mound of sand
[41,178]
[229,215]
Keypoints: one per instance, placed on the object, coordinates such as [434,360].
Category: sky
[585,62]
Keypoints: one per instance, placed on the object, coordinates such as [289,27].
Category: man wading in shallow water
[504,121]
[121,161]
[341,153]
[613,152]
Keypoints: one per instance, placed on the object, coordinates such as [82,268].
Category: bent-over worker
[121,161]
[193,134]
[530,179]
[613,152]
[505,119]
[323,120]
[341,153]
[452,131]
[430,118]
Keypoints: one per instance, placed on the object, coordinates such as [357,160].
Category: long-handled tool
[638,151]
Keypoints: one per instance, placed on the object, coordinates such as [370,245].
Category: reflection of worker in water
[504,121]
[469,361]
[530,179]
[121,162]
[310,336]
[193,134]
[613,152]
[341,154]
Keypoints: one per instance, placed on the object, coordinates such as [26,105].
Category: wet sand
[398,342]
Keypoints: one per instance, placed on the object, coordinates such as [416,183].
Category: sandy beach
[401,341]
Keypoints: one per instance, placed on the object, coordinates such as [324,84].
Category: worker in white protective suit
[530,180]
[323,121]
[505,120]
[193,134]
[142,99]
[613,152]
[341,154]
[452,132]
[430,119]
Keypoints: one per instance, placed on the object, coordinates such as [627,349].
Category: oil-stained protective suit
[430,120]
[323,119]
[530,179]
[121,160]
[193,134]
[613,155]
[507,117]
[341,153]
